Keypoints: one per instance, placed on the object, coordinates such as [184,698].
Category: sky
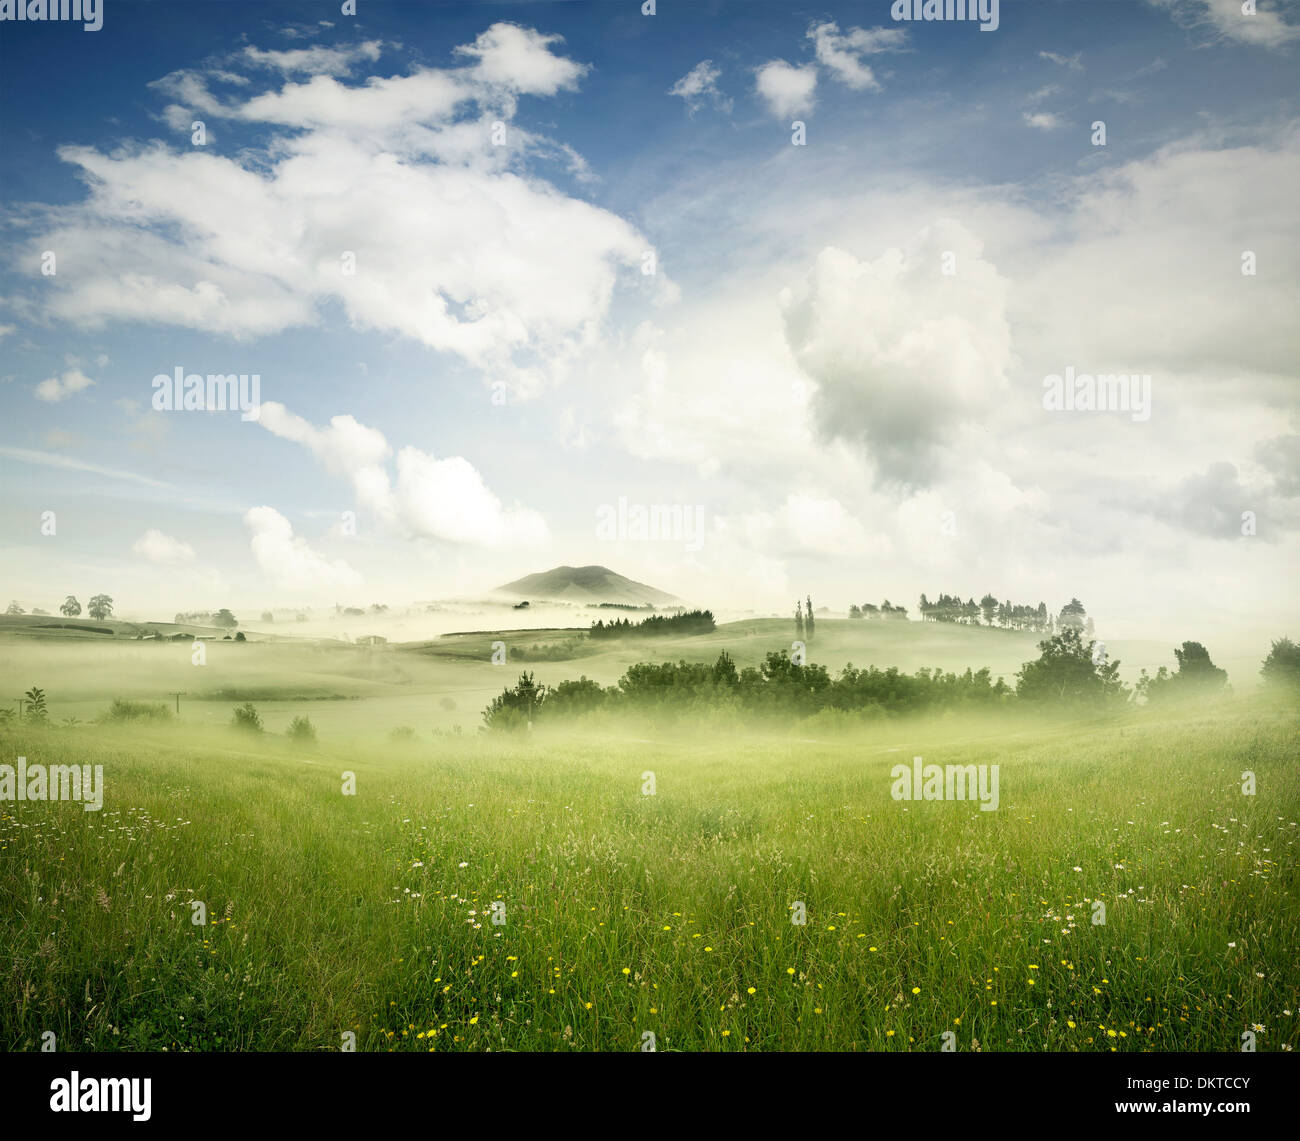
[803,272]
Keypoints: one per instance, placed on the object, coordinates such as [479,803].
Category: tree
[100,607]
[989,608]
[809,621]
[1072,616]
[225,619]
[1282,666]
[1197,676]
[1068,674]
[239,636]
[247,718]
[855,611]
[798,621]
[70,608]
[267,616]
[516,708]
[14,609]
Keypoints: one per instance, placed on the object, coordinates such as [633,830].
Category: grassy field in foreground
[669,913]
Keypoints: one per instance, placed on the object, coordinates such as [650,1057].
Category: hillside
[585,585]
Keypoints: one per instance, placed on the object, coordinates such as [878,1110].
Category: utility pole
[178,696]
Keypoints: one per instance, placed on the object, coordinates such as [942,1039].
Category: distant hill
[584,585]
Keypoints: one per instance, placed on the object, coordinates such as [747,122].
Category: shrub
[247,718]
[123,710]
[402,735]
[301,730]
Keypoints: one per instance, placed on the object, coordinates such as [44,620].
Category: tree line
[1070,675]
[657,625]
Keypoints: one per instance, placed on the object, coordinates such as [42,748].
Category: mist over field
[617,527]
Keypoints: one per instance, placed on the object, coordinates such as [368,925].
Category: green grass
[329,913]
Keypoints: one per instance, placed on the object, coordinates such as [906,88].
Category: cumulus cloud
[452,242]
[429,498]
[699,87]
[55,389]
[841,54]
[287,560]
[162,549]
[900,353]
[786,89]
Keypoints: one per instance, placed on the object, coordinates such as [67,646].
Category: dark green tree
[1067,674]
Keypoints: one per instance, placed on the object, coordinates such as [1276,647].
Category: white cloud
[842,54]
[55,389]
[520,60]
[1263,27]
[313,60]
[1072,62]
[808,524]
[163,549]
[788,90]
[1042,120]
[455,245]
[699,87]
[430,498]
[287,561]
[902,354]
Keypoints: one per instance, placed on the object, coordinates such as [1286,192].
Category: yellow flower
[726,1033]
[916,990]
[789,970]
[627,970]
[751,991]
[473,1020]
[1070,1025]
[589,1005]
[871,948]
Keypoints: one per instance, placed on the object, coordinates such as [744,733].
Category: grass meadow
[671,913]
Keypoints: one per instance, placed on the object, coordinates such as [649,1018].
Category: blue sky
[854,419]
